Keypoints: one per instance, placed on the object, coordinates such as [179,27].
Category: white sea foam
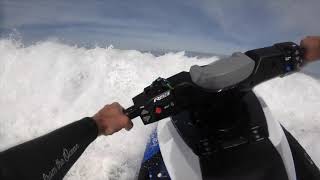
[49,84]
[294,101]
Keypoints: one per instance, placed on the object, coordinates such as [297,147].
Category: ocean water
[50,84]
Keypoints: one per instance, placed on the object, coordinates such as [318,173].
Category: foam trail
[50,84]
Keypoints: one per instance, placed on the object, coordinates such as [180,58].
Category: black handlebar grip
[132,112]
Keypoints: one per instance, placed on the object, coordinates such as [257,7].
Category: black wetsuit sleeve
[48,157]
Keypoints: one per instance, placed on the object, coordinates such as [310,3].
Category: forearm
[49,156]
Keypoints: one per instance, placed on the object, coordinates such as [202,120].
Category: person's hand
[111,119]
[312,46]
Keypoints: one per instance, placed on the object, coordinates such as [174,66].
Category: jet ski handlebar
[241,71]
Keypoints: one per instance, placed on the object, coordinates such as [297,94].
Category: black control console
[163,98]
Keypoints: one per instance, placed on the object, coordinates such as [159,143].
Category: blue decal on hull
[152,146]
[152,166]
